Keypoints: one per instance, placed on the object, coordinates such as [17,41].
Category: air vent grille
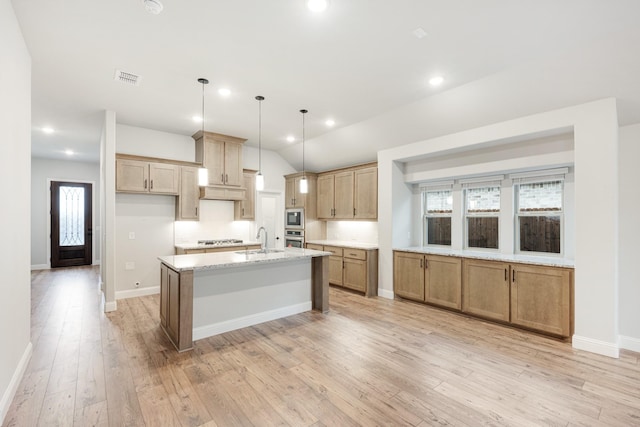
[128,78]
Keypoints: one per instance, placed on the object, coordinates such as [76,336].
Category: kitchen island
[202,295]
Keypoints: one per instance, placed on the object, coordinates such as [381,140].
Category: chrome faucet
[263,244]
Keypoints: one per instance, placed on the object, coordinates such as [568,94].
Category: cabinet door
[290,193]
[233,164]
[541,298]
[173,311]
[355,274]
[188,200]
[164,178]
[408,275]
[443,281]
[365,198]
[343,194]
[486,289]
[335,270]
[214,160]
[132,175]
[325,196]
[245,208]
[314,247]
[164,294]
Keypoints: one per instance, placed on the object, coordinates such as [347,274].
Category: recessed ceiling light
[317,5]
[68,152]
[419,33]
[330,123]
[48,130]
[224,92]
[436,80]
[291,138]
[153,6]
[197,119]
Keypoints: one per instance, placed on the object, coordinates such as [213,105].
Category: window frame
[517,215]
[426,215]
[466,215]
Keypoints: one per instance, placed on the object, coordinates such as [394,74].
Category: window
[437,217]
[539,213]
[482,213]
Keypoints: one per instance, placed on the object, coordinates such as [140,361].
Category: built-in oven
[294,238]
[294,219]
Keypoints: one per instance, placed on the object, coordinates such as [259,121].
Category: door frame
[96,229]
[279,196]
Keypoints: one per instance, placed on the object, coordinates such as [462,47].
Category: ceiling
[358,63]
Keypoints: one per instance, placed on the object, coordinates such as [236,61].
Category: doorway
[71,228]
[270,214]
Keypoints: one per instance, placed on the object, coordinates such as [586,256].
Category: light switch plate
[132,235]
[129,265]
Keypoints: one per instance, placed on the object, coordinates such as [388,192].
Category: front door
[70,224]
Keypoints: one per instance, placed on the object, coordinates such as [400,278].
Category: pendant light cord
[304,175]
[259,98]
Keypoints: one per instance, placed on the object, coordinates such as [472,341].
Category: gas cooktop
[219,242]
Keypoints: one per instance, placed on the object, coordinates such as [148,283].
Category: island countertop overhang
[218,260]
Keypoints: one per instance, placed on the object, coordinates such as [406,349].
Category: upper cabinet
[188,202]
[222,156]
[295,199]
[348,194]
[142,176]
[246,209]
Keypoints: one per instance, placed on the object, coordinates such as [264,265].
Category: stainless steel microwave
[294,218]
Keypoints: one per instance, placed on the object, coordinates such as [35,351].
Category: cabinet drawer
[335,251]
[355,253]
[314,247]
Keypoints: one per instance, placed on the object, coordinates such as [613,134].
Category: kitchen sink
[260,251]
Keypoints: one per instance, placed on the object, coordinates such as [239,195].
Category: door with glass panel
[70,224]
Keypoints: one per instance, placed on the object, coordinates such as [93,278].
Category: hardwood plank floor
[370,361]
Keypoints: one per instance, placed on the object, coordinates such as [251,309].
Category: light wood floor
[370,361]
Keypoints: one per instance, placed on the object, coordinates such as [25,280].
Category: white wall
[15,185]
[596,257]
[629,179]
[152,218]
[360,231]
[42,172]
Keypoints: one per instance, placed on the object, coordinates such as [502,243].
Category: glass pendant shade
[203,177]
[304,185]
[259,182]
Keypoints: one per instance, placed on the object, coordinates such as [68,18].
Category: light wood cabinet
[188,201]
[222,156]
[348,194]
[138,176]
[443,281]
[486,289]
[541,298]
[352,268]
[295,199]
[176,306]
[408,275]
[246,209]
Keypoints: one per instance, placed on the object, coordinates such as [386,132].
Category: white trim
[40,267]
[437,185]
[596,346]
[482,181]
[385,293]
[108,306]
[629,343]
[539,173]
[18,374]
[253,319]
[140,292]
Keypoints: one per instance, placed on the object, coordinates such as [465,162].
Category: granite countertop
[345,244]
[218,260]
[203,246]
[493,256]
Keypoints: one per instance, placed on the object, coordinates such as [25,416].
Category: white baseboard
[596,346]
[40,267]
[140,292]
[629,343]
[10,392]
[254,319]
[385,293]
[109,306]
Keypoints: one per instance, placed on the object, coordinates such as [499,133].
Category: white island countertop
[217,260]
[225,245]
[548,261]
[345,244]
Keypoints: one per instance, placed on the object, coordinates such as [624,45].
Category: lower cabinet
[529,296]
[352,268]
[176,302]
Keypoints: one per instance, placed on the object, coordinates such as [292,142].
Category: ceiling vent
[128,78]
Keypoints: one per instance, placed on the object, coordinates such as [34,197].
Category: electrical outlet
[132,235]
[137,284]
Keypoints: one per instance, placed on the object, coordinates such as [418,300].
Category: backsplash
[361,231]
[216,222]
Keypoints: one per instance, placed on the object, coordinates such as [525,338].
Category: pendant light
[259,176]
[304,185]
[203,173]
